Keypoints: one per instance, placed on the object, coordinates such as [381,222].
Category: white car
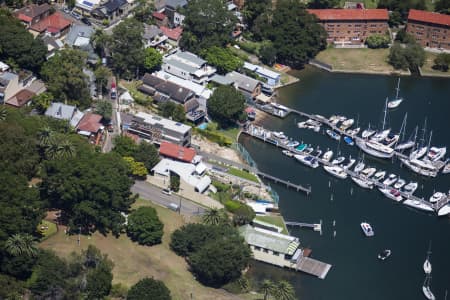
[167,191]
[76,15]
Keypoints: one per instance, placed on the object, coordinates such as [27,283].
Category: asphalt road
[108,145]
[152,193]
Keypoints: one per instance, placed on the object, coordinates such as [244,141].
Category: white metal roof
[166,123]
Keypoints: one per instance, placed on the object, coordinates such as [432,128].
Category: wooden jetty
[313,267]
[287,183]
[261,134]
[315,227]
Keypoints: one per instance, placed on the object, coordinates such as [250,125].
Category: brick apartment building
[351,26]
[430,29]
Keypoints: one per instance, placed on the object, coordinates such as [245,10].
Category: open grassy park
[427,67]
[133,262]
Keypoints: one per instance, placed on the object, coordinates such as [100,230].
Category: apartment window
[257,248]
[358,25]
[275,253]
[265,250]
[373,25]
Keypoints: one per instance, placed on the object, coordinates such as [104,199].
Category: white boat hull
[427,292]
[445,210]
[387,193]
[363,146]
[419,205]
[336,171]
[363,183]
[394,103]
[418,170]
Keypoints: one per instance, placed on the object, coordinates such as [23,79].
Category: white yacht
[396,102]
[368,172]
[336,171]
[420,167]
[418,153]
[436,153]
[338,160]
[359,167]
[333,134]
[381,135]
[307,160]
[367,229]
[367,133]
[363,182]
[375,148]
[446,169]
[427,264]
[287,153]
[302,124]
[399,184]
[390,180]
[379,175]
[405,145]
[350,164]
[445,210]
[436,197]
[422,205]
[346,124]
[280,135]
[392,194]
[327,155]
[410,187]
[353,132]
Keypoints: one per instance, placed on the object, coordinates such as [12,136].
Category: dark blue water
[356,271]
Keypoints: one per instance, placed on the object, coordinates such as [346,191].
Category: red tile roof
[24,18]
[21,98]
[90,123]
[428,17]
[159,16]
[173,34]
[31,11]
[177,152]
[53,23]
[350,14]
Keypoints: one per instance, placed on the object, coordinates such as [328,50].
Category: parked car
[167,191]
[86,21]
[76,15]
[113,91]
[173,206]
[66,10]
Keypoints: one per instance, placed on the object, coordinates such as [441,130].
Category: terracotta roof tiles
[350,14]
[177,152]
[428,17]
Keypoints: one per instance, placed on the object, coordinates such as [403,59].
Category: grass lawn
[230,132]
[242,174]
[47,229]
[133,262]
[274,220]
[364,59]
[427,67]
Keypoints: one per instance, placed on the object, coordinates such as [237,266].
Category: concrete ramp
[313,267]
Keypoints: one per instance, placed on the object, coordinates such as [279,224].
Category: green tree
[11,288]
[44,136]
[397,58]
[442,62]
[243,215]
[91,189]
[378,41]
[222,58]
[21,244]
[101,41]
[208,23]
[215,216]
[102,74]
[145,227]
[59,147]
[137,168]
[152,59]
[321,4]
[254,8]
[178,114]
[65,79]
[283,290]
[220,261]
[267,288]
[442,6]
[268,53]
[104,108]
[128,48]
[18,45]
[173,110]
[149,288]
[175,183]
[124,146]
[147,154]
[66,149]
[3,113]
[395,19]
[42,101]
[99,280]
[226,105]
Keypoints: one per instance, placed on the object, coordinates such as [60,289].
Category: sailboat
[396,102]
[409,143]
[421,148]
[427,263]
[367,133]
[426,288]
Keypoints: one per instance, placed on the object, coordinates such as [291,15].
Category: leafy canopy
[144,226]
[222,58]
[149,288]
[226,105]
[152,59]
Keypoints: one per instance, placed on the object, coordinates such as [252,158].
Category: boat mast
[424,129]
[429,141]
[385,112]
[398,88]
[403,127]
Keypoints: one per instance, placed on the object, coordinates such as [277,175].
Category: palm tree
[214,216]
[66,149]
[44,136]
[21,244]
[283,290]
[267,287]
[3,113]
[52,150]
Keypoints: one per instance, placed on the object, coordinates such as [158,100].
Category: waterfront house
[271,78]
[188,66]
[32,14]
[351,27]
[157,129]
[250,87]
[177,152]
[430,29]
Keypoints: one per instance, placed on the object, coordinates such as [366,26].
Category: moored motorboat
[381,135]
[367,229]
[427,264]
[333,134]
[359,167]
[446,169]
[418,153]
[346,124]
[348,140]
[428,293]
[399,184]
[292,144]
[436,153]
[392,194]
[336,171]
[390,180]
[327,155]
[422,205]
[444,210]
[287,153]
[436,197]
[416,167]
[353,132]
[410,187]
[307,160]
[384,254]
[363,182]
[302,124]
[379,175]
[338,160]
[301,147]
[375,149]
[349,164]
[404,145]
[280,135]
[368,172]
[367,133]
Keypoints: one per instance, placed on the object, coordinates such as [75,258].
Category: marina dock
[266,136]
[315,227]
[313,267]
